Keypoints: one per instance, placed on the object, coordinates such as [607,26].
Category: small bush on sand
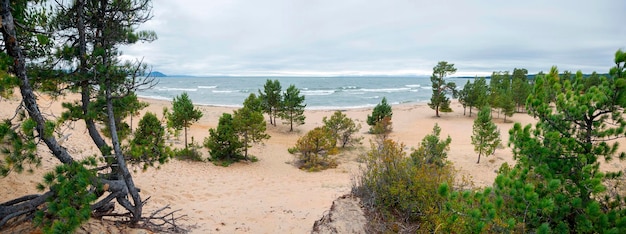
[403,192]
[223,143]
[191,152]
[148,144]
[343,129]
[314,148]
[380,112]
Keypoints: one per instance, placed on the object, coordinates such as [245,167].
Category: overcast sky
[393,37]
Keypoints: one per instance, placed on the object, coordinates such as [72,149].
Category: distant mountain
[156,74]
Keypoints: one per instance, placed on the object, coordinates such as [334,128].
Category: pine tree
[381,111]
[292,107]
[183,114]
[249,124]
[520,87]
[148,144]
[342,128]
[486,137]
[223,142]
[464,96]
[508,105]
[501,96]
[439,101]
[556,184]
[432,150]
[271,99]
[86,37]
[478,96]
[254,103]
[564,152]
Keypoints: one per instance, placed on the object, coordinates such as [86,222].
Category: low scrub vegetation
[403,189]
[314,148]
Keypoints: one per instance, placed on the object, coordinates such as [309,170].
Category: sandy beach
[271,195]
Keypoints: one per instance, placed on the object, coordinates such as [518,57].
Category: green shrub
[380,112]
[223,143]
[314,148]
[432,149]
[399,189]
[191,152]
[343,129]
[292,150]
[148,143]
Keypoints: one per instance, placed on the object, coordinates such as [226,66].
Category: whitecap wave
[386,90]
[317,92]
[177,89]
[155,97]
[222,91]
[339,107]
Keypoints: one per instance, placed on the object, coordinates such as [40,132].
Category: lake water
[319,92]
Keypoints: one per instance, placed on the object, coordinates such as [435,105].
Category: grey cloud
[388,37]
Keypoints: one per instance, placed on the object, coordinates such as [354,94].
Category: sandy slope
[271,195]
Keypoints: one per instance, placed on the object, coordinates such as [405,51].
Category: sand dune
[271,195]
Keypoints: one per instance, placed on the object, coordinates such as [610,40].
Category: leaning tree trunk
[123,172]
[9,35]
[85,87]
[30,203]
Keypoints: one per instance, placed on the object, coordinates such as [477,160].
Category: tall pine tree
[183,114]
[520,87]
[249,124]
[439,101]
[486,137]
[292,108]
[271,99]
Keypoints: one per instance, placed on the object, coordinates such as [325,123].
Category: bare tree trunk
[29,99]
[85,89]
[245,146]
[22,205]
[186,137]
[270,115]
[123,169]
[274,113]
[291,121]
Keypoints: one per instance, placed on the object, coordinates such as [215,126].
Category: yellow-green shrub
[314,148]
[399,188]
